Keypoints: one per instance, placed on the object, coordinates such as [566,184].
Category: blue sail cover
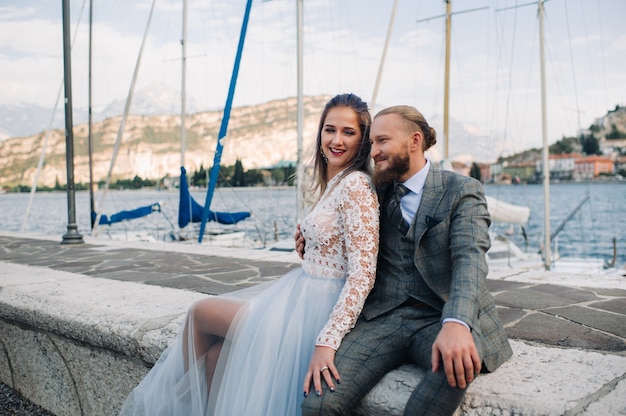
[128,215]
[191,211]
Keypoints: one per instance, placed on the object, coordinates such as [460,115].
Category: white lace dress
[268,348]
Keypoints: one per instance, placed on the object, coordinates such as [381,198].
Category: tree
[278,175]
[254,177]
[564,146]
[289,175]
[475,171]
[590,145]
[199,177]
[137,182]
[224,175]
[615,134]
[239,177]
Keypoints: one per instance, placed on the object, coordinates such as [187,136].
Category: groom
[429,305]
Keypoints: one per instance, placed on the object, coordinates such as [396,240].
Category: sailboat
[189,210]
[98,218]
[95,218]
[503,251]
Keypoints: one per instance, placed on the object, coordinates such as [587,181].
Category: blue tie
[394,211]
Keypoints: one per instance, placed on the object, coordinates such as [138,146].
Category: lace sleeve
[358,208]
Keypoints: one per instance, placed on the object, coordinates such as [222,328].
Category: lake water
[589,233]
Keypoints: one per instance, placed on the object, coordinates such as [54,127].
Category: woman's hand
[322,366]
[299,242]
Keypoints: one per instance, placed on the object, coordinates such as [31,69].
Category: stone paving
[548,314]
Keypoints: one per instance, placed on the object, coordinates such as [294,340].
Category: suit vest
[397,278]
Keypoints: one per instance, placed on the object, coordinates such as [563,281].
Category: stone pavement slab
[530,304]
[74,309]
[568,337]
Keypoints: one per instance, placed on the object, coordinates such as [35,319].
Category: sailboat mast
[183,86]
[446,87]
[300,116]
[120,132]
[544,133]
[382,58]
[92,206]
[215,169]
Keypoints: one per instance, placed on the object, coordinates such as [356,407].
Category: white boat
[504,252]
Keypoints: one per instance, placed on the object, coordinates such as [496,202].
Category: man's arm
[469,241]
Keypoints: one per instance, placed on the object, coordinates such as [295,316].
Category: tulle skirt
[261,367]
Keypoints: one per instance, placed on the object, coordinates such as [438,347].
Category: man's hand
[456,348]
[299,242]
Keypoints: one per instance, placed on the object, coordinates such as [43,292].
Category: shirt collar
[416,182]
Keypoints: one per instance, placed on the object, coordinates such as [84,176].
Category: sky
[495,89]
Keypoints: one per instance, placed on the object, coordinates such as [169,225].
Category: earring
[324,157]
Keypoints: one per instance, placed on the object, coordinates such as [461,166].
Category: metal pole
[183,86]
[300,115]
[221,137]
[546,157]
[446,89]
[92,206]
[72,236]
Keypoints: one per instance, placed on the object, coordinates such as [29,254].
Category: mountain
[155,99]
[27,119]
[466,143]
[24,119]
[259,136]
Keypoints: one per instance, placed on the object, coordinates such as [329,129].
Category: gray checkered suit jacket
[451,237]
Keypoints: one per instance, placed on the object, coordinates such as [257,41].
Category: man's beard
[398,166]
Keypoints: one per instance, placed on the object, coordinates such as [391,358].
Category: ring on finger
[323,368]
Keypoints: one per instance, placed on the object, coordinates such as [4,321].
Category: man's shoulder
[451,177]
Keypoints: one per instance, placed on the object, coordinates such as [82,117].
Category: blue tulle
[263,362]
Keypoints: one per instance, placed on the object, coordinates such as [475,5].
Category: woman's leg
[211,361]
[207,325]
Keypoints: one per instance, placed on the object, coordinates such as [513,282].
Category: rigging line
[532,57]
[605,89]
[355,42]
[571,56]
[118,140]
[590,60]
[558,79]
[592,220]
[42,156]
[459,76]
[507,106]
[498,52]
[382,58]
[530,73]
[491,140]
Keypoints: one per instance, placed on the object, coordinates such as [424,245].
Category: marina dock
[125,301]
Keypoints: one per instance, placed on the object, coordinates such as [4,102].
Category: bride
[260,350]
